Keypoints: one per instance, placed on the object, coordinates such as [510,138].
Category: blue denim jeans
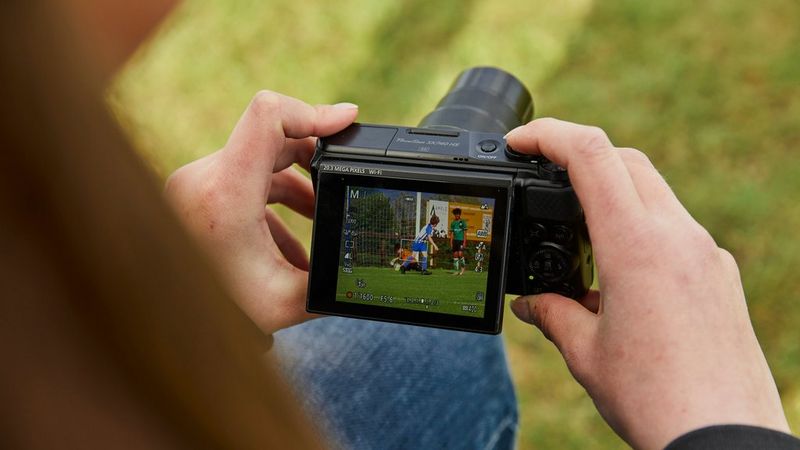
[372,385]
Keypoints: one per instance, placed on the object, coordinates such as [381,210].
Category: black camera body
[390,196]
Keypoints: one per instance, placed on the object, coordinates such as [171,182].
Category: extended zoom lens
[482,99]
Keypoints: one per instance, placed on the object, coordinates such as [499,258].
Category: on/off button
[487,146]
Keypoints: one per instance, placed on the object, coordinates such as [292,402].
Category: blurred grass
[710,90]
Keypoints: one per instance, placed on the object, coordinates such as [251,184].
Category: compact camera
[432,225]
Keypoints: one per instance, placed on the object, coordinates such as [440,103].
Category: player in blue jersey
[419,249]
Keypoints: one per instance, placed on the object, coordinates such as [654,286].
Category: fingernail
[346,105]
[519,306]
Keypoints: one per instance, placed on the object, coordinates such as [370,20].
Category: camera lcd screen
[374,256]
[415,250]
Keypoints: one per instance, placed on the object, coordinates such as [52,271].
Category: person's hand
[666,345]
[223,199]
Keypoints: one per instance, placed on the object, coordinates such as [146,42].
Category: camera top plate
[435,145]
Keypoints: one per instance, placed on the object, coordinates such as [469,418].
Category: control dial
[552,263]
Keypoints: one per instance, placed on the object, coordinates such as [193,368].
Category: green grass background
[709,90]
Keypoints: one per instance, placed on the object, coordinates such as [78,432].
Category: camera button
[537,231]
[488,146]
[550,264]
[562,235]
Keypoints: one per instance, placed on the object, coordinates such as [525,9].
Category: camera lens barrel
[484,99]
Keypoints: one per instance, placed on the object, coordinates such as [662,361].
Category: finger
[287,243]
[654,192]
[293,189]
[284,304]
[301,120]
[301,150]
[270,289]
[596,171]
[282,300]
[256,145]
[562,320]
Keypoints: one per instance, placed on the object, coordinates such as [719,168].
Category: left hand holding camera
[222,199]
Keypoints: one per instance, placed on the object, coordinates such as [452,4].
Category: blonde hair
[115,330]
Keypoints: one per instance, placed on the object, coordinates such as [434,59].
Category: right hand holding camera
[666,345]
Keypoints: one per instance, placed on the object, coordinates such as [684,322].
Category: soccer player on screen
[397,261]
[457,229]
[420,246]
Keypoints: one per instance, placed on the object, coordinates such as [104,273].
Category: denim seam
[510,421]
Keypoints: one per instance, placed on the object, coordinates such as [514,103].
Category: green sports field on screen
[397,250]
[441,291]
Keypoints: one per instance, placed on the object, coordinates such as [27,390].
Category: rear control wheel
[551,263]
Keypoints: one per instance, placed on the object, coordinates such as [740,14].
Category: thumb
[562,320]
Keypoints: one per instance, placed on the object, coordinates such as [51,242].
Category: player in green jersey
[458,229]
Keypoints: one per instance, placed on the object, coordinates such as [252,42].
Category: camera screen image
[415,250]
